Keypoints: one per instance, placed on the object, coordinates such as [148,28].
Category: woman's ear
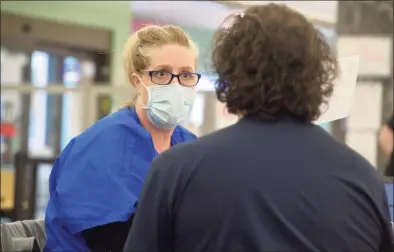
[135,80]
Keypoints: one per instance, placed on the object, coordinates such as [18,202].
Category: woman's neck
[161,138]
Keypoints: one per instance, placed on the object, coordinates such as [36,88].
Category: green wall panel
[113,15]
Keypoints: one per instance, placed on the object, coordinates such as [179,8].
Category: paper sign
[340,102]
[365,112]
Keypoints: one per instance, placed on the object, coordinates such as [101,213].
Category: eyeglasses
[164,78]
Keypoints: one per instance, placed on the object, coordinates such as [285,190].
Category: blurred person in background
[96,181]
[274,181]
[386,143]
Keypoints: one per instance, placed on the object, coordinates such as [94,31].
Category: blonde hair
[136,50]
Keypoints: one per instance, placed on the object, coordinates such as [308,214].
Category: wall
[323,12]
[203,39]
[371,38]
[140,23]
[113,15]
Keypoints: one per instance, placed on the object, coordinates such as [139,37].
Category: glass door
[14,71]
[45,126]
[43,123]
[55,119]
[14,66]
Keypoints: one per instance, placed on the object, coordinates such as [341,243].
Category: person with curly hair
[274,181]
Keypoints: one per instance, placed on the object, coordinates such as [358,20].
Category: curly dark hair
[273,62]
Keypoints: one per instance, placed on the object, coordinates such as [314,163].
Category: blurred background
[61,72]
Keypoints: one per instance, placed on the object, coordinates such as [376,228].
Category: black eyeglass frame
[150,73]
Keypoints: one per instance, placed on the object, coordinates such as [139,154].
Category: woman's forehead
[174,56]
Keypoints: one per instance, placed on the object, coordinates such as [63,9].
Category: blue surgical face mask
[169,105]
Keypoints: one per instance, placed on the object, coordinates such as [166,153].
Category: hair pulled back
[136,53]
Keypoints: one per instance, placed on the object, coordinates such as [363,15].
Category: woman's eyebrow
[162,67]
[170,68]
[186,69]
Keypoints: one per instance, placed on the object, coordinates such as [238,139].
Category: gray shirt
[23,236]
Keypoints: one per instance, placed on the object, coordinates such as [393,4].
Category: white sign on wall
[375,53]
[365,113]
[339,104]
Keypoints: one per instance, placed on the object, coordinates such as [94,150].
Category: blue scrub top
[98,178]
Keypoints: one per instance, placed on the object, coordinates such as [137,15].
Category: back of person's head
[140,49]
[273,62]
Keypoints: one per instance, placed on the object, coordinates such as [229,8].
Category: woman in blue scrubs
[96,181]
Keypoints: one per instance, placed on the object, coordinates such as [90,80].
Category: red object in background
[8,130]
[140,23]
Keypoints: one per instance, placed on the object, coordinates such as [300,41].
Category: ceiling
[210,14]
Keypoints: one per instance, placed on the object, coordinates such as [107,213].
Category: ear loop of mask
[144,106]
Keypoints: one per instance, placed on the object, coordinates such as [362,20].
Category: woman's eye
[185,75]
[161,74]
